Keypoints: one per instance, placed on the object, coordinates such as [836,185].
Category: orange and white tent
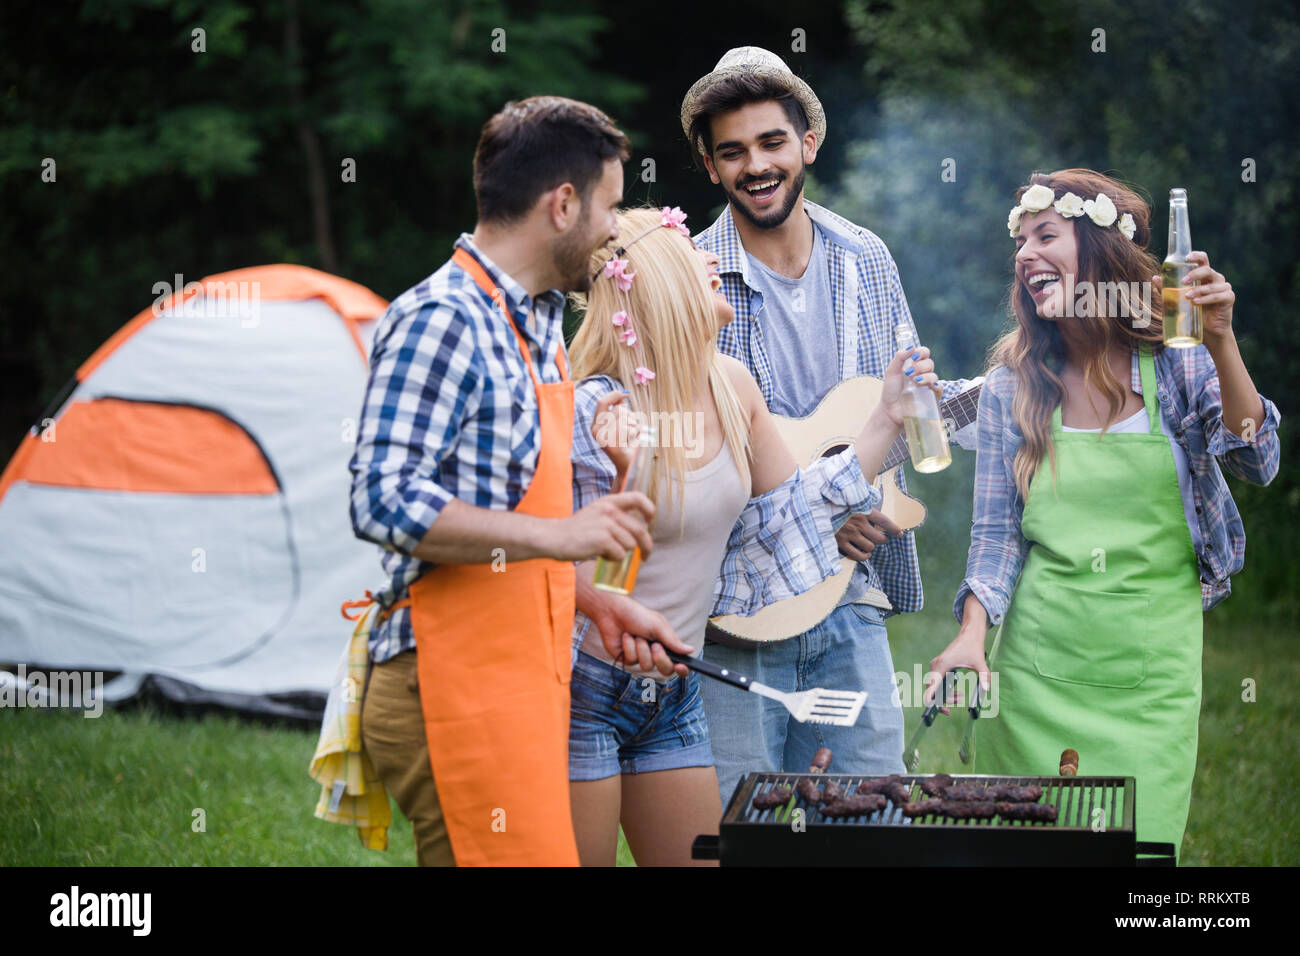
[181,514]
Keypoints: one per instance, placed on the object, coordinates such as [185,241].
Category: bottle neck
[1180,231]
[642,467]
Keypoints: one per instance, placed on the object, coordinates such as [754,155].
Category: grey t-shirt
[798,325]
[799,330]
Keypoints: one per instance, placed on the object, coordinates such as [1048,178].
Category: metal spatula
[817,706]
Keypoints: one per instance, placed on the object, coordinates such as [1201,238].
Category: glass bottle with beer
[927,438]
[1182,318]
[620,576]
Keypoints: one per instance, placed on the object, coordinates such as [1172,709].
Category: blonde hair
[673,314]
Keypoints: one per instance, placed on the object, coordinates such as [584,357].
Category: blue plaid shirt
[782,544]
[869,302]
[450,412]
[1187,388]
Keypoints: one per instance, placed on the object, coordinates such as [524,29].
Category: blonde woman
[737,525]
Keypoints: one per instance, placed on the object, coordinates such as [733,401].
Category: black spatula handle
[709,669]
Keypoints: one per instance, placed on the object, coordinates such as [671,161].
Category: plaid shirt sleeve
[593,472]
[895,561]
[783,543]
[1254,460]
[425,377]
[997,548]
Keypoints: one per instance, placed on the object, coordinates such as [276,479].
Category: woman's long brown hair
[1034,350]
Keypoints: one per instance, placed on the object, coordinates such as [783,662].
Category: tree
[195,137]
[1178,99]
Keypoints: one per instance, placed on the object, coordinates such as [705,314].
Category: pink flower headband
[617,269]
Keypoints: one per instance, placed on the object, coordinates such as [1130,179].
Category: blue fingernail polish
[908,372]
[916,355]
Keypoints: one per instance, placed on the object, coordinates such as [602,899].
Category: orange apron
[493,652]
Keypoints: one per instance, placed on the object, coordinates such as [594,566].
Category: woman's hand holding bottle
[907,364]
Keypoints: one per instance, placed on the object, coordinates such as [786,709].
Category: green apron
[1101,648]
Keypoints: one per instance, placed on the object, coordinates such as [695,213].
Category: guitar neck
[960,411]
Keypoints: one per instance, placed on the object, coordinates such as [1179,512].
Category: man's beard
[773,219]
[571,257]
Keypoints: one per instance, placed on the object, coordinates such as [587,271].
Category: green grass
[121,789]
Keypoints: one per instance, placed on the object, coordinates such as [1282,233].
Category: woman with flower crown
[737,525]
[1102,525]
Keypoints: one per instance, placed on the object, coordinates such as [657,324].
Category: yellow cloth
[350,790]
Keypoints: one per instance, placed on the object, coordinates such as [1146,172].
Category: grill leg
[705,847]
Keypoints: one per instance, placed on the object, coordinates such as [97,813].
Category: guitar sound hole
[834,450]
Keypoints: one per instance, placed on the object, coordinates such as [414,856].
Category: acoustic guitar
[832,427]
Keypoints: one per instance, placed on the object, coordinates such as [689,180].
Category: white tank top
[677,579]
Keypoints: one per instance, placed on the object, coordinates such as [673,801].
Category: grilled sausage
[1070,763]
[898,792]
[873,785]
[775,797]
[807,789]
[832,791]
[854,806]
[968,809]
[922,808]
[1026,811]
[1010,793]
[936,785]
[970,793]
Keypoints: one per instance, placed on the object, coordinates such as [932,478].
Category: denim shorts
[624,723]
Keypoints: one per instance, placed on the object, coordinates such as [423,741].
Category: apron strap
[1147,366]
[358,606]
[369,600]
[497,295]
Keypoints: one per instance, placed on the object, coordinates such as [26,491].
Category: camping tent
[181,513]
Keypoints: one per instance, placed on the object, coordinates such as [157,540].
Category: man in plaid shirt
[452,477]
[817,301]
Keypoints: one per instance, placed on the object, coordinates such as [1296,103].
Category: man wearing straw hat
[800,277]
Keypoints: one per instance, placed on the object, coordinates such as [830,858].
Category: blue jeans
[847,651]
[627,723]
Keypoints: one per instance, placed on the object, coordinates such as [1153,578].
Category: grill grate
[1076,799]
[1094,826]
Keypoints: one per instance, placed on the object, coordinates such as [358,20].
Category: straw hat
[755,61]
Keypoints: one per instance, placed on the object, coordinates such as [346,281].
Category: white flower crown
[1100,210]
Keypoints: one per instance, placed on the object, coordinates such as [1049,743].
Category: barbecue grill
[1094,827]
